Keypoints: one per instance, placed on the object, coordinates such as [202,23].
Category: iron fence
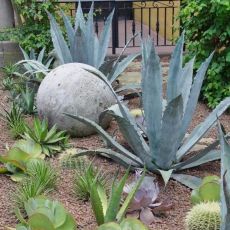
[156,19]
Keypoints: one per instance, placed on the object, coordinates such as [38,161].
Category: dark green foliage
[204,34]
[8,80]
[34,32]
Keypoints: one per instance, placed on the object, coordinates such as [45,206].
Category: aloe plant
[50,140]
[128,223]
[46,215]
[84,46]
[107,210]
[165,127]
[225,178]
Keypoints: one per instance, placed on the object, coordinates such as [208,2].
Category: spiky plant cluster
[15,121]
[85,175]
[204,216]
[42,171]
[41,180]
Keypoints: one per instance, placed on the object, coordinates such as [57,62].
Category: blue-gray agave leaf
[69,30]
[194,95]
[132,134]
[201,129]
[59,42]
[107,137]
[225,178]
[89,36]
[152,94]
[79,19]
[187,76]
[175,70]
[104,40]
[170,132]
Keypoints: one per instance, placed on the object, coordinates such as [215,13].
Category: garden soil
[178,194]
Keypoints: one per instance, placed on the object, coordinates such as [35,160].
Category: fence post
[115,28]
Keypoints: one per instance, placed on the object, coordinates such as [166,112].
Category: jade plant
[209,190]
[166,126]
[108,209]
[46,215]
[128,223]
[16,160]
[50,140]
[204,216]
[84,46]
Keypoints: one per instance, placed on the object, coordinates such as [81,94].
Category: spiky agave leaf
[225,177]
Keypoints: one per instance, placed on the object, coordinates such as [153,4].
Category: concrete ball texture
[71,89]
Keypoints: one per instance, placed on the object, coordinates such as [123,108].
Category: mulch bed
[177,193]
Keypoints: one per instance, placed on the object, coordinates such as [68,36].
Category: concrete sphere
[71,89]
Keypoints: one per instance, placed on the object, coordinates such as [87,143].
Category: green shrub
[207,28]
[34,32]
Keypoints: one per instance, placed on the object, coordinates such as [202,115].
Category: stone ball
[71,89]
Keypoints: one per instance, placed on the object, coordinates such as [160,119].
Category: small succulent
[46,215]
[209,190]
[204,216]
[108,209]
[26,100]
[128,223]
[145,199]
[51,141]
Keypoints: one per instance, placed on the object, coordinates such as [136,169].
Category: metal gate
[157,19]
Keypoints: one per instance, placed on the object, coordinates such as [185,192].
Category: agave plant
[46,215]
[26,101]
[225,178]
[145,202]
[166,128]
[84,46]
[108,210]
[34,65]
[51,141]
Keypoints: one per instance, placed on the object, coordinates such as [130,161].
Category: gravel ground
[177,193]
